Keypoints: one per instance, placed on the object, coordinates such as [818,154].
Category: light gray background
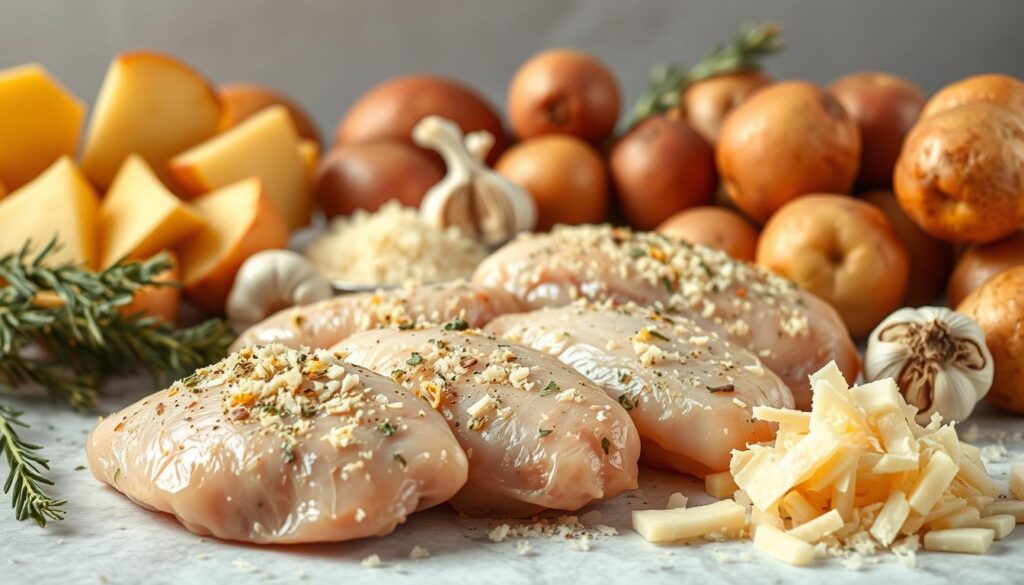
[327,52]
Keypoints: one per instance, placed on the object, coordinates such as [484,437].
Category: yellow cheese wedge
[669,525]
[959,540]
[59,203]
[819,528]
[40,121]
[784,547]
[966,517]
[240,221]
[152,105]
[1001,524]
[891,518]
[140,217]
[1014,508]
[719,485]
[265,146]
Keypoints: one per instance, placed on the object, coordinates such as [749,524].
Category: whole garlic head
[272,280]
[938,358]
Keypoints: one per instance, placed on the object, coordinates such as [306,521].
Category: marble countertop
[107,539]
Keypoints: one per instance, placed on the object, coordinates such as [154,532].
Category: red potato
[714,227]
[843,250]
[787,140]
[365,176]
[661,168]
[562,91]
[959,174]
[885,108]
[390,110]
[707,102]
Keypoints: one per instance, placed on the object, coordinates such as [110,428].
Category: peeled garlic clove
[472,197]
[938,358]
[273,280]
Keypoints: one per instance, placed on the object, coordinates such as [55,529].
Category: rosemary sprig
[62,328]
[25,480]
[744,53]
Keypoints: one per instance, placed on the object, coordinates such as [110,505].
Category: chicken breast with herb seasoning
[274,445]
[690,392]
[538,434]
[327,322]
[794,332]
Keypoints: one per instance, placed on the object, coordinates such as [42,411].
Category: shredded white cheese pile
[854,477]
[393,246]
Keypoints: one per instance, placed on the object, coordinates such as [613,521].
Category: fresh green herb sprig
[744,53]
[63,328]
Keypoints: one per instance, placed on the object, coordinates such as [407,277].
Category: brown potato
[707,102]
[993,88]
[562,91]
[979,263]
[389,111]
[241,100]
[365,176]
[998,307]
[843,250]
[930,259]
[885,108]
[959,174]
[714,227]
[565,176]
[660,168]
[787,140]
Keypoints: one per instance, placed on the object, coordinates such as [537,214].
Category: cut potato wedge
[240,220]
[40,121]
[152,105]
[161,302]
[58,203]
[139,216]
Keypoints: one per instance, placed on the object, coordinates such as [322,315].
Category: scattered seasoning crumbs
[723,388]
[476,423]
[605,444]
[406,326]
[551,387]
[415,359]
[372,561]
[544,432]
[655,333]
[624,377]
[456,324]
[627,402]
[418,553]
[387,428]
[523,548]
[79,467]
[401,460]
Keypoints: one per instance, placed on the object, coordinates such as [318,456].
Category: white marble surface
[107,539]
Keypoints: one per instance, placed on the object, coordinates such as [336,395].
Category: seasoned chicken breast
[794,332]
[274,445]
[327,322]
[690,392]
[537,433]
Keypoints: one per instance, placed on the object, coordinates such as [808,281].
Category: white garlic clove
[471,196]
[270,281]
[937,357]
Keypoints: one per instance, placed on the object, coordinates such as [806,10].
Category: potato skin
[979,263]
[959,175]
[707,102]
[715,227]
[391,109]
[844,251]
[994,88]
[660,168]
[885,108]
[562,91]
[930,259]
[998,307]
[787,140]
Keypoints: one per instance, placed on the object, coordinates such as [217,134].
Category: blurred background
[327,52]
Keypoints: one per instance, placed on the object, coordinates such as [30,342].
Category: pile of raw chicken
[540,383]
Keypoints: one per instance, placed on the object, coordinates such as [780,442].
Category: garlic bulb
[273,280]
[938,357]
[471,196]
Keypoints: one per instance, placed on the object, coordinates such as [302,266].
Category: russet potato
[715,227]
[994,88]
[979,263]
[841,249]
[706,103]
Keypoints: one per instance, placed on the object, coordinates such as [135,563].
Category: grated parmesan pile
[393,246]
[854,477]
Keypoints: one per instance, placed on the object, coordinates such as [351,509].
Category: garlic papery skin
[273,280]
[938,358]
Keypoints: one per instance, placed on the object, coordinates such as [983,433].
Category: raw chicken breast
[325,323]
[274,445]
[794,332]
[538,434]
[690,392]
